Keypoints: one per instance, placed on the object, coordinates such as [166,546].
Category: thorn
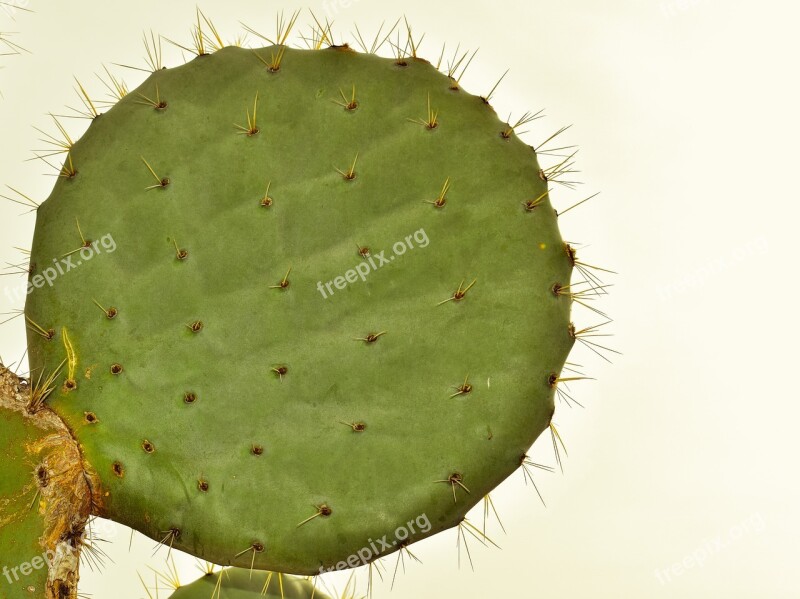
[464,389]
[350,104]
[161,182]
[351,172]
[371,338]
[87,101]
[252,126]
[455,480]
[531,205]
[157,104]
[441,199]
[527,465]
[488,98]
[323,511]
[284,284]
[578,204]
[556,437]
[521,122]
[459,294]
[432,120]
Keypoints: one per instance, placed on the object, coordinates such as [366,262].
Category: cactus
[238,583]
[298,308]
[44,503]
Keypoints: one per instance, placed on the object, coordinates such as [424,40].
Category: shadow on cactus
[296,308]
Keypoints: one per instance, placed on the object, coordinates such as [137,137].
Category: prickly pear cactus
[241,583]
[304,305]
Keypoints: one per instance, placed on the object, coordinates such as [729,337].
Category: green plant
[238,583]
[299,308]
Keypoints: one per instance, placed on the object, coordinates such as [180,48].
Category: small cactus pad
[242,583]
[303,307]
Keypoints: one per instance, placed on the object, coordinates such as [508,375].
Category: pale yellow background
[686,114]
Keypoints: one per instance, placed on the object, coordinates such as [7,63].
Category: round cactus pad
[298,310]
[239,583]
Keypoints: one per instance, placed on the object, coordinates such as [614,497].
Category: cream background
[686,114]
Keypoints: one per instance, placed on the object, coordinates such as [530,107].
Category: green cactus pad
[246,415]
[242,583]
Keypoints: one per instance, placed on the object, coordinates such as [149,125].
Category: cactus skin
[187,473]
[242,583]
[44,499]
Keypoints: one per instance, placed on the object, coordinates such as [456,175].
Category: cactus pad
[307,314]
[239,583]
